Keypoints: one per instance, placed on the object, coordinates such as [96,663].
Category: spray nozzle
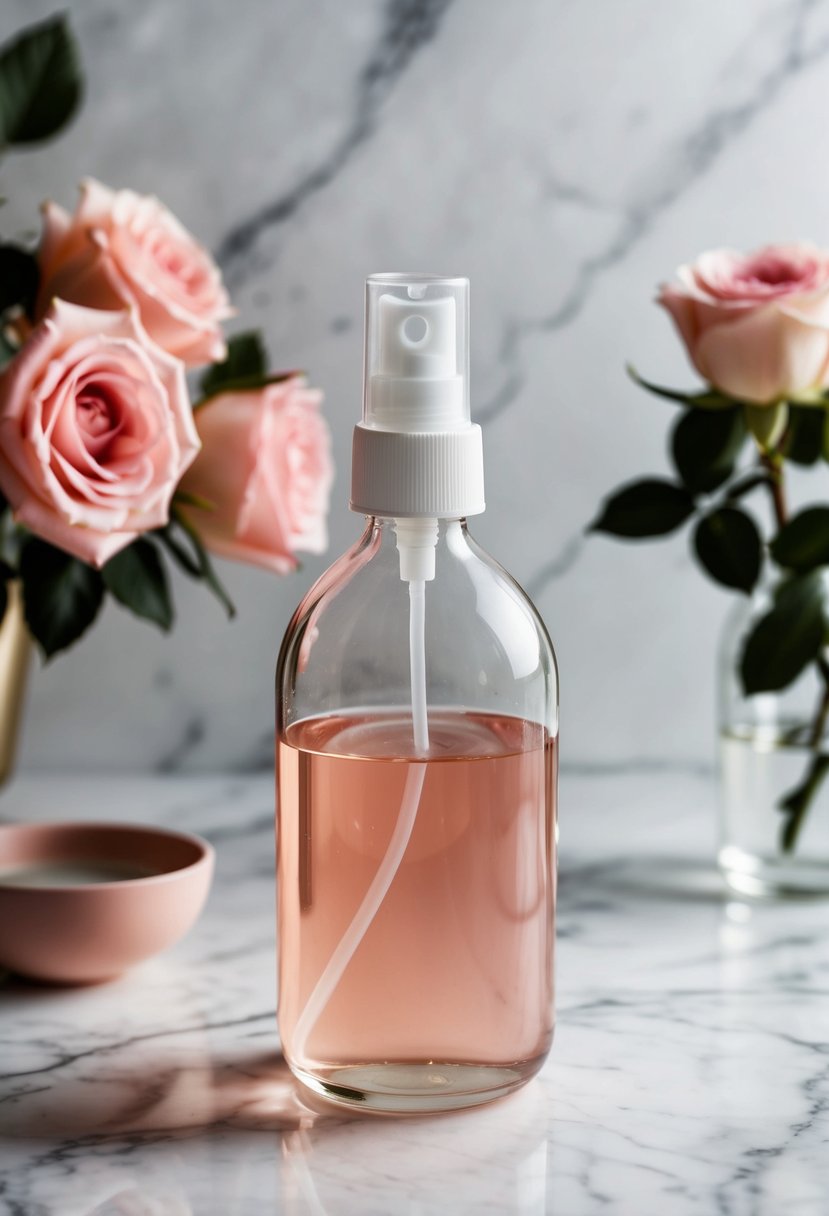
[416,354]
[417,338]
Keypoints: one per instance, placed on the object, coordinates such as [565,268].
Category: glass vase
[774,774]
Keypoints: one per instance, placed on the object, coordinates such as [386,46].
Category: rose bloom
[756,325]
[124,249]
[265,467]
[96,429]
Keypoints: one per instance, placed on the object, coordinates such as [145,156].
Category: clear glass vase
[774,774]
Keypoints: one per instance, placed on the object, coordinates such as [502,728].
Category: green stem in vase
[819,724]
[795,804]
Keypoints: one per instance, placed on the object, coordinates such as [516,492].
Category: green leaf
[729,547]
[804,437]
[7,350]
[786,639]
[767,423]
[181,555]
[710,399]
[61,595]
[705,446]
[246,360]
[207,569]
[19,278]
[247,384]
[193,559]
[745,485]
[40,82]
[12,539]
[651,507]
[803,543]
[244,370]
[791,590]
[138,580]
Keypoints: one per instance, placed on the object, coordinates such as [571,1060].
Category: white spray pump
[417,458]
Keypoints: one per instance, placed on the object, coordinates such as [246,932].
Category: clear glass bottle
[773,840]
[417,728]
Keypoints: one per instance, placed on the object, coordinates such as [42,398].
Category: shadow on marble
[137,1090]
[655,878]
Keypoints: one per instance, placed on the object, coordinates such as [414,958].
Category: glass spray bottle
[417,732]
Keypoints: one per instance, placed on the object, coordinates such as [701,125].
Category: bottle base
[412,1089]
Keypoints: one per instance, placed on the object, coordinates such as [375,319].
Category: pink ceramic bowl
[81,902]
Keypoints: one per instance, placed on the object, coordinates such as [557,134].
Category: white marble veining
[566,156]
[690,1072]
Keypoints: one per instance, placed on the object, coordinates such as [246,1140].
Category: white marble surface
[689,1074]
[566,156]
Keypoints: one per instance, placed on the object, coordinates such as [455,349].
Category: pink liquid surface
[457,964]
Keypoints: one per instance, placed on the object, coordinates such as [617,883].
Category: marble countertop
[690,1072]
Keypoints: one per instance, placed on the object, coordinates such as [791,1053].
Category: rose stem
[772,462]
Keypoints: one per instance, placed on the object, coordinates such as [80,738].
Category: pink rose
[121,248]
[756,325]
[265,466]
[96,429]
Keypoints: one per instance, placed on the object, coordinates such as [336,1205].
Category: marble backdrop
[565,156]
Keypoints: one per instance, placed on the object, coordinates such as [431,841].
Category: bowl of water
[82,902]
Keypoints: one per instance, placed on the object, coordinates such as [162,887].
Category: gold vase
[15,655]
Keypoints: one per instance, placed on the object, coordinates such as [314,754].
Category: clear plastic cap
[416,373]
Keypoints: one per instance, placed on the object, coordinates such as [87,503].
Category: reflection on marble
[689,1074]
[310,144]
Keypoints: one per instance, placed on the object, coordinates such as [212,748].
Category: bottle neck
[387,523]
[417,541]
[383,528]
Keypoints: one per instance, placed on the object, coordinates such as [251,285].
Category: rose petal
[56,226]
[95,204]
[89,279]
[763,357]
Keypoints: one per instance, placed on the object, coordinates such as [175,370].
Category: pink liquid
[451,988]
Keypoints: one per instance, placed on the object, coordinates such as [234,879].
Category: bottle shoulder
[509,587]
[363,594]
[483,636]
